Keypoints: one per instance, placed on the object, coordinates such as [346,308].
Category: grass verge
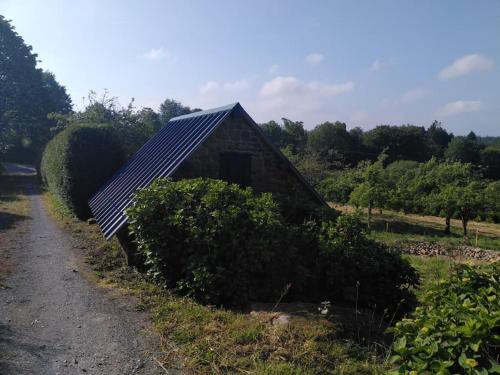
[14,212]
[209,340]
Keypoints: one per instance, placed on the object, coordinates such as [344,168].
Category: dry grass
[391,226]
[209,340]
[14,212]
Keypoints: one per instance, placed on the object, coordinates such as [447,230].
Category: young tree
[373,191]
[468,200]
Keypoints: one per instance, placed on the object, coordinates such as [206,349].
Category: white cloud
[414,95]
[377,64]
[314,58]
[460,106]
[465,65]
[235,86]
[280,85]
[285,86]
[241,85]
[291,97]
[156,54]
[209,86]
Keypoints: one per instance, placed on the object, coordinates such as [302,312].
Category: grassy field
[209,340]
[391,227]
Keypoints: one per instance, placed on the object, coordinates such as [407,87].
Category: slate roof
[160,157]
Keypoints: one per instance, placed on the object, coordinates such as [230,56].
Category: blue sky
[361,62]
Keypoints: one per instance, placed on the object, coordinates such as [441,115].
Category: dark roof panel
[159,157]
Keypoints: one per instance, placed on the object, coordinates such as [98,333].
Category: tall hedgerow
[78,161]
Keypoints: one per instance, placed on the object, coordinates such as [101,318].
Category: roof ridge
[206,112]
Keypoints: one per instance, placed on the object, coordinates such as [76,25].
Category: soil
[53,320]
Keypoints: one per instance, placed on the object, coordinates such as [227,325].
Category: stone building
[222,143]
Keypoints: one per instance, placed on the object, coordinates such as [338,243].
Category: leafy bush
[457,330]
[340,185]
[77,161]
[223,245]
[212,240]
[351,267]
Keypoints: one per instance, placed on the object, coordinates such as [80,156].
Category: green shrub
[351,267]
[223,245]
[457,330]
[212,240]
[78,161]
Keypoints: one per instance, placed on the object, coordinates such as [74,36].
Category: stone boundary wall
[435,249]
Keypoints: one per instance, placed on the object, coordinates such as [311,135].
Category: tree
[492,201]
[437,139]
[27,94]
[373,190]
[464,149]
[399,142]
[291,135]
[171,108]
[334,145]
[468,200]
[490,159]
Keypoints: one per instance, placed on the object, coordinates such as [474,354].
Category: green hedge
[224,245]
[78,161]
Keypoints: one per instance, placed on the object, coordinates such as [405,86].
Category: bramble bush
[456,330]
[224,245]
[78,161]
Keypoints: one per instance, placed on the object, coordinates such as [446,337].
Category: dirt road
[54,321]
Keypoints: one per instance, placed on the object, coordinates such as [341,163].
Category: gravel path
[54,321]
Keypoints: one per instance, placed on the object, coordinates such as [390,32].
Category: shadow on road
[11,344]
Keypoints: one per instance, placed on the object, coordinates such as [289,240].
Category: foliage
[492,202]
[171,108]
[407,142]
[464,149]
[457,328]
[198,234]
[291,135]
[490,159]
[354,268]
[78,161]
[339,186]
[27,95]
[373,190]
[210,339]
[334,145]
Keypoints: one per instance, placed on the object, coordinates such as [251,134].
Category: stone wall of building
[270,173]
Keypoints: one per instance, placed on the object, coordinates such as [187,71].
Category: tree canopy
[27,94]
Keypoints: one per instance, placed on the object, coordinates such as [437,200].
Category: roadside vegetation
[209,339]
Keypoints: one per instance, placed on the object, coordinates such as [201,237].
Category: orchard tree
[469,201]
[373,191]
